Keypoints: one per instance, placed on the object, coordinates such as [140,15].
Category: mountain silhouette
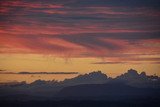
[133,75]
[94,84]
[90,78]
[114,91]
[133,78]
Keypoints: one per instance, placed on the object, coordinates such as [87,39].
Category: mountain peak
[143,74]
[133,78]
[95,77]
[132,72]
[97,74]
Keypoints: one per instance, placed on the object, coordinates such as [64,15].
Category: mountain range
[95,85]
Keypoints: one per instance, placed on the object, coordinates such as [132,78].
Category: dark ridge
[84,103]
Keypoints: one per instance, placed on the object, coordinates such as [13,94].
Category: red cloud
[60,28]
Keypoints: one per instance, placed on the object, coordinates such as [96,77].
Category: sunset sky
[80,35]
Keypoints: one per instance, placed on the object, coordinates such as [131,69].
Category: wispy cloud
[26,72]
[80,28]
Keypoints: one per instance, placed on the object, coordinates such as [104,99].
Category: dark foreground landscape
[131,89]
[85,103]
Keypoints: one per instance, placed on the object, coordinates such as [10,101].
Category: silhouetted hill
[132,75]
[109,91]
[90,78]
[95,84]
[133,78]
[49,88]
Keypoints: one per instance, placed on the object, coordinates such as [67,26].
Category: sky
[80,35]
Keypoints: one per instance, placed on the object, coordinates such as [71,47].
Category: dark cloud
[132,60]
[2,70]
[110,63]
[129,3]
[117,35]
[92,42]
